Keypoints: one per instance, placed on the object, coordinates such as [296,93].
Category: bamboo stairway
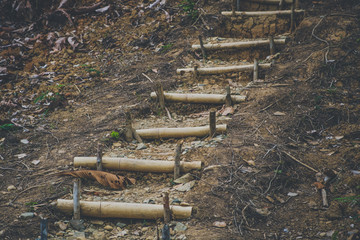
[146,211]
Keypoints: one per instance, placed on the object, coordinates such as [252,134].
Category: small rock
[185,187]
[99,235]
[120,224]
[24,141]
[79,235]
[77,224]
[35,162]
[21,155]
[181,237]
[184,179]
[180,227]
[292,194]
[2,232]
[108,227]
[136,233]
[141,146]
[27,215]
[219,224]
[11,188]
[330,233]
[323,234]
[63,226]
[149,201]
[97,222]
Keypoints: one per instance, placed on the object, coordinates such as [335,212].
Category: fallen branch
[199,98]
[298,161]
[221,70]
[261,13]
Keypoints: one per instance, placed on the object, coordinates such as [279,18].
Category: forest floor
[66,86]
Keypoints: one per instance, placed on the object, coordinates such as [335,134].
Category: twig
[298,161]
[25,190]
[322,40]
[147,77]
[168,113]
[243,214]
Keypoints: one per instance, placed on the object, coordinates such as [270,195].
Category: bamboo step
[221,70]
[270,2]
[157,133]
[199,98]
[240,44]
[260,13]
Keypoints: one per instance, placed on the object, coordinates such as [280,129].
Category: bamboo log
[123,210]
[200,98]
[137,165]
[269,2]
[262,13]
[241,44]
[155,133]
[221,70]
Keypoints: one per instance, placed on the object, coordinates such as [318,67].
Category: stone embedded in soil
[184,179]
[185,187]
[99,235]
[97,222]
[27,215]
[120,224]
[141,146]
[108,227]
[11,188]
[180,227]
[63,226]
[219,224]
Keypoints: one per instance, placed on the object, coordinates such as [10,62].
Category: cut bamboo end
[156,133]
[123,210]
[137,165]
[240,44]
[222,70]
[199,98]
[270,2]
[261,13]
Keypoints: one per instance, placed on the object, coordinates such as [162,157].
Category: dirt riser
[255,27]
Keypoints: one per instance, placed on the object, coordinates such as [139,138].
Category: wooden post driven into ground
[256,70]
[228,100]
[202,48]
[160,95]
[271,45]
[177,160]
[76,198]
[212,119]
[99,158]
[292,16]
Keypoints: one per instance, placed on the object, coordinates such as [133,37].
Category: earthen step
[260,13]
[221,70]
[240,44]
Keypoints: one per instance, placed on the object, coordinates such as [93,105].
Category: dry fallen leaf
[72,42]
[319,185]
[59,44]
[104,178]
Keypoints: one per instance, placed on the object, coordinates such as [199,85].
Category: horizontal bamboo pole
[269,1]
[199,98]
[242,44]
[261,13]
[221,70]
[136,165]
[179,132]
[123,210]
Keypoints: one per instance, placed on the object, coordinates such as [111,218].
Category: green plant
[166,47]
[31,206]
[351,199]
[7,126]
[41,97]
[90,69]
[115,135]
[188,6]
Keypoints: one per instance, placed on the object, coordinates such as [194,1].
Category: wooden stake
[177,160]
[212,119]
[272,45]
[238,5]
[228,100]
[196,72]
[76,199]
[167,211]
[296,4]
[292,16]
[160,94]
[202,48]
[99,158]
[319,178]
[281,4]
[256,70]
[43,229]
[128,132]
[233,7]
